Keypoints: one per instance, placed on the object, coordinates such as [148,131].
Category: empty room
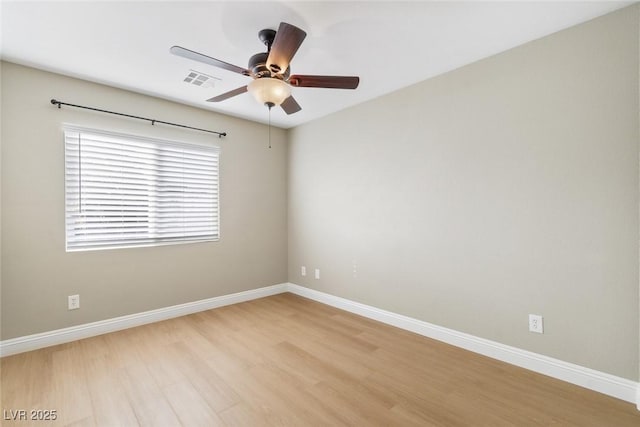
[337,213]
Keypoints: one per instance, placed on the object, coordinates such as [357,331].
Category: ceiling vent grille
[201,79]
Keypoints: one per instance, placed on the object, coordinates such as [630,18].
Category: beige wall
[506,187]
[37,273]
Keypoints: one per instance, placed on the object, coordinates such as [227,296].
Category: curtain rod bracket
[153,121]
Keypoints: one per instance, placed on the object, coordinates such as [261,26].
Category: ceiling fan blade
[290,105]
[195,56]
[228,95]
[285,45]
[331,82]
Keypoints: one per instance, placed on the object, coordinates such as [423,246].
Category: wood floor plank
[183,398]
[242,415]
[258,396]
[218,394]
[288,361]
[149,404]
[109,398]
[285,387]
[70,392]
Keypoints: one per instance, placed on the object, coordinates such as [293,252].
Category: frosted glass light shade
[269,90]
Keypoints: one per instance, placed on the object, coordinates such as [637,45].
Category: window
[124,191]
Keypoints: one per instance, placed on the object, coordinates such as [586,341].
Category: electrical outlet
[303,270]
[317,273]
[73,302]
[535,323]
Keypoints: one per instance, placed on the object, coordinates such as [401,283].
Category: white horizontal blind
[124,191]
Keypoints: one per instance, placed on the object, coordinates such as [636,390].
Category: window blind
[124,191]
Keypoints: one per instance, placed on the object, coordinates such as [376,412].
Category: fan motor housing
[258,64]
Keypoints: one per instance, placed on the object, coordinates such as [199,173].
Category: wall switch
[303,270]
[74,302]
[535,323]
[317,273]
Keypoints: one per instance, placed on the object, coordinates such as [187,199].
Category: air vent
[201,79]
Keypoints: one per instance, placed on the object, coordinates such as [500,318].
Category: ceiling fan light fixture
[271,85]
[269,91]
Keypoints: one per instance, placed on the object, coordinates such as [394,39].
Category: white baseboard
[602,382]
[608,384]
[61,336]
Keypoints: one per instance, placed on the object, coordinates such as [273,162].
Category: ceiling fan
[270,70]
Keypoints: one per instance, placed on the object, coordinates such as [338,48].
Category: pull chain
[269,126]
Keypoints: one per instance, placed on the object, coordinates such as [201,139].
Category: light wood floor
[285,360]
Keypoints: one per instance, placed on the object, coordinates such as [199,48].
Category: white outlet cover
[303,270]
[317,273]
[73,302]
[535,324]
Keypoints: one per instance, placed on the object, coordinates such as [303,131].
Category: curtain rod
[153,121]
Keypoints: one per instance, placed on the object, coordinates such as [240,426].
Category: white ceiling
[390,45]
